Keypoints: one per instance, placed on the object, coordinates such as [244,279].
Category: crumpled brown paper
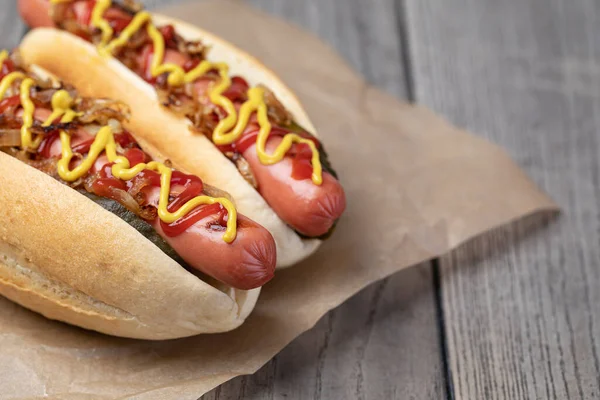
[416,188]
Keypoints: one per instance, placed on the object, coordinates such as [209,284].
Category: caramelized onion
[244,169]
[148,213]
[88,182]
[139,39]
[192,48]
[44,96]
[125,199]
[216,192]
[177,102]
[17,153]
[46,165]
[115,125]
[102,111]
[276,111]
[10,137]
[75,28]
[139,183]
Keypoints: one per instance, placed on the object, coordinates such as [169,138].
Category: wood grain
[368,348]
[383,343]
[521,305]
[11,27]
[366,33]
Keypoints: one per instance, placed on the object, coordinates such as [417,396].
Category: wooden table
[513,315]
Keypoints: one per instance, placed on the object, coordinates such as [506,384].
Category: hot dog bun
[69,259]
[159,130]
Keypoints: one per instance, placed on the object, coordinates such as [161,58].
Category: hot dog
[283,181]
[81,143]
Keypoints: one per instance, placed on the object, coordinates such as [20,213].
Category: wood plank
[365,33]
[11,27]
[520,305]
[383,343]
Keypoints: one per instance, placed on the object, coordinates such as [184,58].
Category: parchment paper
[416,188]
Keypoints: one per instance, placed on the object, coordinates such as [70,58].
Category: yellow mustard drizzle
[99,22]
[229,129]
[28,108]
[104,141]
[59,100]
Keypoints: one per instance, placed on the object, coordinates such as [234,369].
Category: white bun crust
[160,131]
[69,259]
